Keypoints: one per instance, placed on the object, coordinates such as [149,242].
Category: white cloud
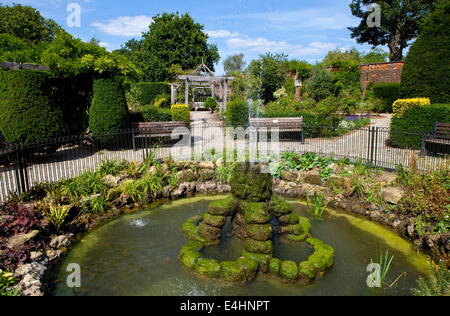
[103,44]
[125,25]
[221,33]
[263,45]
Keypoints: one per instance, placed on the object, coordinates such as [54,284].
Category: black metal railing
[22,167]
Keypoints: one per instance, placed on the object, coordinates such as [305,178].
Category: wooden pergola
[203,77]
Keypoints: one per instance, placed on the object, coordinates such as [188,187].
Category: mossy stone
[306,270]
[279,207]
[306,224]
[190,230]
[291,229]
[189,258]
[232,271]
[186,176]
[263,259]
[225,207]
[289,271]
[209,232]
[207,174]
[256,213]
[259,232]
[192,245]
[274,266]
[297,238]
[290,219]
[320,261]
[259,185]
[214,220]
[256,246]
[207,267]
[250,266]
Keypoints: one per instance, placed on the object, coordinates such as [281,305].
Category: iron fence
[22,167]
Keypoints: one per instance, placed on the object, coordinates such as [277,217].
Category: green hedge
[27,111]
[156,114]
[426,72]
[109,111]
[388,93]
[406,132]
[144,93]
[163,101]
[237,113]
[181,112]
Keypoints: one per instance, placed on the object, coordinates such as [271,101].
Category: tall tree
[26,23]
[234,63]
[172,39]
[400,21]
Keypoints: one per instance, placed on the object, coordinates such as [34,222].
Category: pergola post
[186,92]
[226,95]
[172,93]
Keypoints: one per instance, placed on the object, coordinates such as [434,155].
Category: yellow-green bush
[181,112]
[402,105]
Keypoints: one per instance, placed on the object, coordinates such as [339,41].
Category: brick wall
[380,73]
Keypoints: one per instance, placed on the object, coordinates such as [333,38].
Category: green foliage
[26,23]
[426,72]
[96,205]
[437,283]
[27,111]
[406,132]
[110,167]
[234,63]
[348,77]
[399,23]
[162,101]
[14,49]
[171,39]
[109,111]
[87,184]
[156,114]
[144,93]
[181,112]
[211,103]
[269,69]
[321,84]
[385,263]
[388,93]
[57,214]
[7,280]
[302,68]
[237,113]
[225,173]
[319,205]
[67,56]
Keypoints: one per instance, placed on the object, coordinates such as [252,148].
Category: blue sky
[303,29]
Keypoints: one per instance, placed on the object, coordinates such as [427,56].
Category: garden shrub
[388,93]
[211,103]
[27,111]
[143,93]
[402,105]
[237,113]
[407,130]
[181,112]
[156,114]
[426,72]
[321,84]
[109,111]
[163,101]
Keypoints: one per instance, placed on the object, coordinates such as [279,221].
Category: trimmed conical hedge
[427,70]
[109,110]
[27,111]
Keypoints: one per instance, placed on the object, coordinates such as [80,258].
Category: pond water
[136,254]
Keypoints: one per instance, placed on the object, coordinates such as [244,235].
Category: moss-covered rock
[226,207]
[306,271]
[263,259]
[256,213]
[209,232]
[259,232]
[232,271]
[250,266]
[186,176]
[256,246]
[323,256]
[207,268]
[306,224]
[274,266]
[289,271]
[190,230]
[297,238]
[291,230]
[214,220]
[239,181]
[290,219]
[279,207]
[259,185]
[189,258]
[207,174]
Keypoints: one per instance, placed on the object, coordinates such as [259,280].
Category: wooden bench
[157,129]
[285,124]
[439,141]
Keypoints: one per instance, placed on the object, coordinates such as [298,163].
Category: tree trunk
[396,50]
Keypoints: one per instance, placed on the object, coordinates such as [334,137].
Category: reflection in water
[137,255]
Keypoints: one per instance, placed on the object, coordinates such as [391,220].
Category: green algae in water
[136,254]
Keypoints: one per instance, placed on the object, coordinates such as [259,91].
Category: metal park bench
[157,129]
[439,141]
[285,124]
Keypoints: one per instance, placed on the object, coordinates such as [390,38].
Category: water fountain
[253,210]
